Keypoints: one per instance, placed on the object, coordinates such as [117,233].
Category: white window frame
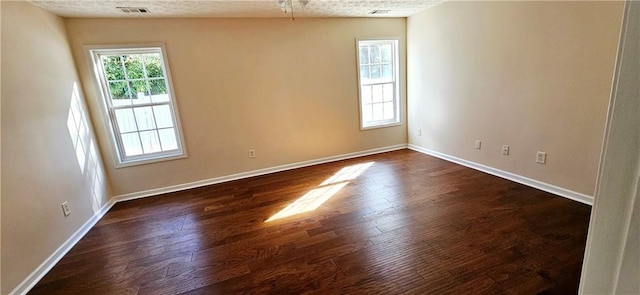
[396,80]
[108,111]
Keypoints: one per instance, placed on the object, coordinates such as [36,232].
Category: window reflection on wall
[83,142]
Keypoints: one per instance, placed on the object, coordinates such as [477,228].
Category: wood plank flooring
[400,223]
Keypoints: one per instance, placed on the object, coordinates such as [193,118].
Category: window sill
[381,125]
[145,161]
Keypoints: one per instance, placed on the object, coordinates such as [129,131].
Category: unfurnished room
[319,147]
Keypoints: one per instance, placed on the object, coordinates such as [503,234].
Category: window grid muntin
[125,71]
[382,102]
[139,130]
[124,159]
[379,64]
[370,82]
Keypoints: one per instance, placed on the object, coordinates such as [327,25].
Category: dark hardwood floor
[398,222]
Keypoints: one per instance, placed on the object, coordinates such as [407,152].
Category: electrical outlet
[478,144]
[505,150]
[252,153]
[419,131]
[65,208]
[541,157]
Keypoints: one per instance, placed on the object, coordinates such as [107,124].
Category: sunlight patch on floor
[318,196]
[347,173]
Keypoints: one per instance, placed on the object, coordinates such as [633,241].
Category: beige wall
[532,75]
[40,167]
[287,89]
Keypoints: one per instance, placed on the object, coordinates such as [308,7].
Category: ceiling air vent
[380,11]
[133,9]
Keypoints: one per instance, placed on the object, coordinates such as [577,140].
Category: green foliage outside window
[128,75]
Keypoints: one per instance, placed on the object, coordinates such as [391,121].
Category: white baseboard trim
[51,261]
[33,278]
[216,180]
[569,194]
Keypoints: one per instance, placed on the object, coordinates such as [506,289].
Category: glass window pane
[131,143]
[376,91]
[377,111]
[140,92]
[375,72]
[375,54]
[139,87]
[388,92]
[113,67]
[144,118]
[133,64]
[163,116]
[121,102]
[153,65]
[385,51]
[389,113]
[168,139]
[150,141]
[387,73]
[160,98]
[364,73]
[159,90]
[366,94]
[126,120]
[367,113]
[119,91]
[364,55]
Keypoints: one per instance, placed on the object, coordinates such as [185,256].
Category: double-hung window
[378,80]
[139,103]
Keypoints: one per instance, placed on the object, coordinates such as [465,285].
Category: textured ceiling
[234,8]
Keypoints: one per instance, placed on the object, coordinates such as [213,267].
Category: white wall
[612,256]
[535,75]
[287,89]
[41,166]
